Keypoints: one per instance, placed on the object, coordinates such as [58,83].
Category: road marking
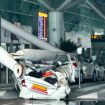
[8,104]
[88,88]
[2,93]
[89,96]
[95,95]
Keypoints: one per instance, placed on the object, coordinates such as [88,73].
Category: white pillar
[56,28]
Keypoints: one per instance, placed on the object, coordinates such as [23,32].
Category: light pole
[79,52]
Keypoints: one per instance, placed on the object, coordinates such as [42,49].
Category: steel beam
[42,2]
[96,9]
[27,36]
[68,4]
[63,5]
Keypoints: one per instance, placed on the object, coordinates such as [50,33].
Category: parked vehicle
[71,64]
[101,73]
[68,63]
[40,82]
[88,69]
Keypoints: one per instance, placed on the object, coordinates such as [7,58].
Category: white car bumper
[59,93]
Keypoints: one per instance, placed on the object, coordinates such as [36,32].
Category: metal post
[79,77]
[7,76]
[79,52]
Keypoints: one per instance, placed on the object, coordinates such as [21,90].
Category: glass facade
[23,11]
[82,17]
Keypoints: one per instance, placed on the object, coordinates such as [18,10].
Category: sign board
[42,25]
[79,50]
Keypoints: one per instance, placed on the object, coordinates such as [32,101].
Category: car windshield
[62,58]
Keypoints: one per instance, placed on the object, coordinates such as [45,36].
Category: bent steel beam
[9,62]
[27,36]
[34,55]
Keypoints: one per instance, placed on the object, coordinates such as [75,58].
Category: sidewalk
[6,86]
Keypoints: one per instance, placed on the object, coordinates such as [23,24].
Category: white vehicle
[44,102]
[35,87]
[38,83]
[101,72]
[89,70]
[69,64]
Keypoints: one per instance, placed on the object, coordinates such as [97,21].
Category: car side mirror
[59,63]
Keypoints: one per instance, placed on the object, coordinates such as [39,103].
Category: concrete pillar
[56,28]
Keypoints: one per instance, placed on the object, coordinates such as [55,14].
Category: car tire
[18,90]
[94,77]
[98,76]
[66,99]
[76,80]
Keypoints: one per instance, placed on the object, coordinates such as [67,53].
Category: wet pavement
[92,91]
[49,102]
[88,94]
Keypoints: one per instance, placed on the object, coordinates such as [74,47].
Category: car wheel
[18,90]
[98,77]
[66,99]
[76,80]
[94,77]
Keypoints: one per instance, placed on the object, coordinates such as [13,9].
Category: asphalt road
[88,91]
[50,102]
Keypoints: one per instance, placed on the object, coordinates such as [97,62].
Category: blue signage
[40,27]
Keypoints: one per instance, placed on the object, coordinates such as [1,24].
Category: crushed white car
[41,83]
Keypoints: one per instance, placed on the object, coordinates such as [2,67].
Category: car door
[89,67]
[65,64]
[84,66]
[82,63]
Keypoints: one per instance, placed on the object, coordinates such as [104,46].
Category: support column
[56,28]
